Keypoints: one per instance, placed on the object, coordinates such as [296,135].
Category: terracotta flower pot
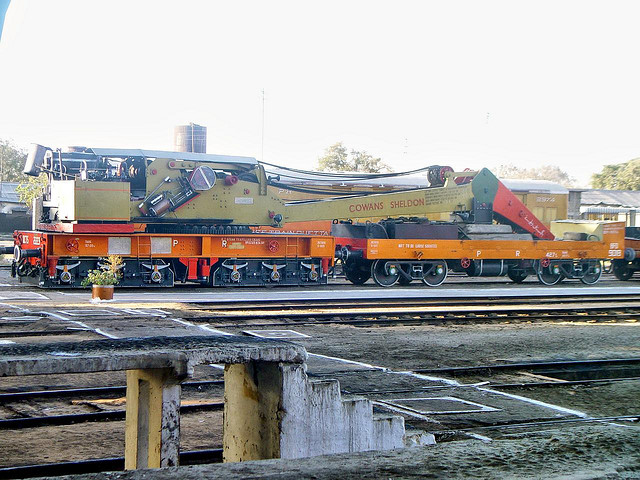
[102,292]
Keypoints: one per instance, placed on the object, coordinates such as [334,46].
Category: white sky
[464,83]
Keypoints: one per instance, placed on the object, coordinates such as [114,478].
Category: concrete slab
[89,312]
[13,295]
[440,405]
[350,292]
[291,334]
[179,353]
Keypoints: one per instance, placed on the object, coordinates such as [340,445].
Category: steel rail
[390,318]
[266,304]
[106,416]
[564,383]
[42,333]
[430,388]
[529,366]
[193,457]
[8,397]
[569,312]
[542,423]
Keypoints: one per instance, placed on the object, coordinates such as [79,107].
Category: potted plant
[103,279]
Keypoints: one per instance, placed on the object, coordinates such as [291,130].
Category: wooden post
[152,437]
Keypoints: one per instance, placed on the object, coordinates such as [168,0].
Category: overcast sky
[464,83]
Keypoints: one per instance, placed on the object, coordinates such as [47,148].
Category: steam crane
[178,216]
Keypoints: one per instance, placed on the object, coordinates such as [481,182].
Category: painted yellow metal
[449,198]
[79,200]
[592,228]
[241,201]
[247,198]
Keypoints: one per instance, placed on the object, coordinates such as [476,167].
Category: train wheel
[435,274]
[593,274]
[356,275]
[517,276]
[402,280]
[548,275]
[621,270]
[385,273]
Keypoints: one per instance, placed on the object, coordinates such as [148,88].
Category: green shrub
[107,274]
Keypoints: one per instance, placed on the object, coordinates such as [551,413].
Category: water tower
[190,138]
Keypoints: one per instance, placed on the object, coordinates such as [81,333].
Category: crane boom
[484,193]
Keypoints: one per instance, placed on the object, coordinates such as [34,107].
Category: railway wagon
[624,268]
[427,256]
[187,217]
[62,259]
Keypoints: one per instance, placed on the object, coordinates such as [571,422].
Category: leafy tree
[623,176]
[31,188]
[12,160]
[337,158]
[545,172]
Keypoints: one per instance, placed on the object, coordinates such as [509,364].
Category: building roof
[534,186]
[9,199]
[627,199]
[8,192]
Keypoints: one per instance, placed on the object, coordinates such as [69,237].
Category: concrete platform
[271,408]
[350,292]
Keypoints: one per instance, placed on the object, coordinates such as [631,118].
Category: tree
[545,172]
[623,176]
[31,188]
[12,160]
[337,158]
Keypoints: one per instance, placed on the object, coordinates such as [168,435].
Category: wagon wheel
[621,269]
[517,276]
[594,272]
[357,275]
[435,274]
[546,274]
[385,273]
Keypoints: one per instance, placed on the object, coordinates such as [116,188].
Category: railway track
[267,313]
[607,370]
[468,308]
[389,314]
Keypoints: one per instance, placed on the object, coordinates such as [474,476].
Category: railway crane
[191,217]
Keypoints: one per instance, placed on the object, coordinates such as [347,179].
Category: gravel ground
[593,452]
[555,451]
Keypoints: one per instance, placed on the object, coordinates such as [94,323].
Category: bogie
[385,273]
[262,272]
[435,273]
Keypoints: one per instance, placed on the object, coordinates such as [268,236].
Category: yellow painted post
[152,436]
[252,398]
